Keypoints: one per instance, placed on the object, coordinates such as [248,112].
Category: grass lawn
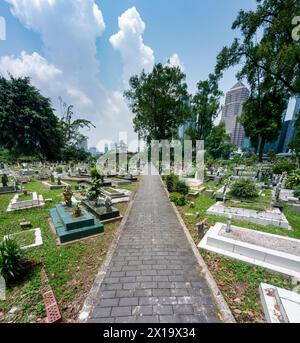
[25,197]
[261,203]
[238,281]
[24,238]
[71,269]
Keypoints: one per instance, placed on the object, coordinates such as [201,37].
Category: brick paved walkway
[153,275]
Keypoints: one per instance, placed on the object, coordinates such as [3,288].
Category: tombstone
[200,229]
[4,180]
[2,288]
[229,222]
[108,204]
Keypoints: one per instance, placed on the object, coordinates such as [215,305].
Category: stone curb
[92,296]
[216,293]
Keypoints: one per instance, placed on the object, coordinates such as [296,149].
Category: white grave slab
[37,241]
[273,217]
[280,305]
[273,252]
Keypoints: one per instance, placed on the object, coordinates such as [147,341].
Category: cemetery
[250,235]
[48,231]
[131,191]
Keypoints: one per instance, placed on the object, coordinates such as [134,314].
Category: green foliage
[59,170]
[10,260]
[174,184]
[270,64]
[159,102]
[218,143]
[77,212]
[178,199]
[27,120]
[283,166]
[297,193]
[4,180]
[94,173]
[244,188]
[294,179]
[205,107]
[67,195]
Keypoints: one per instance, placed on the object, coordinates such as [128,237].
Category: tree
[205,108]
[262,117]
[270,65]
[72,137]
[159,101]
[71,129]
[276,54]
[27,122]
[218,143]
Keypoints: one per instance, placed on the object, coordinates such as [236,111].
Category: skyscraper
[232,111]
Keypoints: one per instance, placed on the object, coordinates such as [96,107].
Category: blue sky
[71,52]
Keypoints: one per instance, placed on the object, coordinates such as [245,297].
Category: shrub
[178,199]
[297,193]
[244,188]
[59,170]
[10,260]
[283,166]
[94,173]
[174,185]
[294,179]
[170,181]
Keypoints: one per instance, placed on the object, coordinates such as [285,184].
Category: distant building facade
[232,111]
[288,130]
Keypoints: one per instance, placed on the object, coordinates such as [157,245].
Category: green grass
[24,197]
[260,203]
[71,269]
[24,238]
[239,282]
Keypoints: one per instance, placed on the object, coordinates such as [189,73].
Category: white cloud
[174,61]
[136,56]
[69,67]
[34,65]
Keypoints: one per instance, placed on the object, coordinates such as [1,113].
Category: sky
[86,50]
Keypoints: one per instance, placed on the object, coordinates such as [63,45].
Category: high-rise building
[232,111]
[83,145]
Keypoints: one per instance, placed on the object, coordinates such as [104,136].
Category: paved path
[153,275]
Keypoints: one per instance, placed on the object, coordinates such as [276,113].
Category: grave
[272,217]
[6,188]
[102,210]
[22,202]
[273,252]
[37,241]
[71,222]
[116,182]
[50,185]
[279,305]
[116,195]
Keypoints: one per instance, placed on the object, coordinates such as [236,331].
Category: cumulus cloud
[136,56]
[174,61]
[69,67]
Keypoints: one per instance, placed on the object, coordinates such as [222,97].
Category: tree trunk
[261,148]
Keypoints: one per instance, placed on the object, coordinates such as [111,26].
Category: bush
[59,170]
[94,173]
[244,188]
[10,260]
[174,185]
[178,199]
[294,179]
[283,166]
[297,193]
